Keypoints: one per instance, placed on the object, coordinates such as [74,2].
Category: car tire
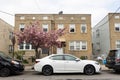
[117,71]
[89,70]
[4,72]
[47,70]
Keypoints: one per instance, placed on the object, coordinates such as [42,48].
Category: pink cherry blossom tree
[34,35]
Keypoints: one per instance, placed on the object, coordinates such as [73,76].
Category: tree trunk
[37,53]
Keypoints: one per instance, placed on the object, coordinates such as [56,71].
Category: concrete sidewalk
[104,68]
[29,68]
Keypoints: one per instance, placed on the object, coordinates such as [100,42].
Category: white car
[66,63]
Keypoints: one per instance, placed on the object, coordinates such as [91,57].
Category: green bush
[83,57]
[25,61]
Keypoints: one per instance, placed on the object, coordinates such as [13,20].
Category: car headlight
[97,63]
[15,62]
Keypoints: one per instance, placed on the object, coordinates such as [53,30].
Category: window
[78,45]
[72,28]
[60,26]
[83,28]
[117,26]
[21,46]
[72,18]
[83,18]
[25,46]
[83,45]
[58,57]
[71,44]
[45,27]
[21,26]
[33,18]
[118,44]
[10,35]
[45,17]
[45,51]
[69,58]
[117,17]
[60,17]
[22,18]
[10,48]
[97,33]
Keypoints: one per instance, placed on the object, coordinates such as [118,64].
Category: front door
[59,50]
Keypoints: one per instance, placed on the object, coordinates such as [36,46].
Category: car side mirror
[77,60]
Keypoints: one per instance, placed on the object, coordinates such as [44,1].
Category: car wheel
[47,70]
[4,72]
[117,71]
[89,70]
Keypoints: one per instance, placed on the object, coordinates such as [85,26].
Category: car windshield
[3,55]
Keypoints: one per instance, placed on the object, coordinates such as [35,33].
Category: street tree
[34,35]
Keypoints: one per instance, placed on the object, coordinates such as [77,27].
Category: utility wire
[109,18]
[6,13]
[37,5]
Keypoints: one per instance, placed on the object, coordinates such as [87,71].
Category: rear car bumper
[113,66]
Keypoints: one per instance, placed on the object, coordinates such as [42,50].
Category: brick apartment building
[5,37]
[106,35]
[77,41]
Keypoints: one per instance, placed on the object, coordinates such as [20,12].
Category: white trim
[80,46]
[45,26]
[83,25]
[72,26]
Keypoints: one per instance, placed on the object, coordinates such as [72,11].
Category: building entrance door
[59,50]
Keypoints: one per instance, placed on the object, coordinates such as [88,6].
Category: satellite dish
[61,12]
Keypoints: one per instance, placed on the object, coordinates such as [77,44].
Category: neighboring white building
[106,35]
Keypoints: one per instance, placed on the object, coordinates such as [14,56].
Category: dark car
[9,66]
[113,60]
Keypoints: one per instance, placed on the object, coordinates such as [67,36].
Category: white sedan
[66,63]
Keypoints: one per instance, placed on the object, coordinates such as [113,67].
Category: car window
[70,58]
[112,53]
[57,57]
[118,54]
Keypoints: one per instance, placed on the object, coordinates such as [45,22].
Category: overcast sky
[97,8]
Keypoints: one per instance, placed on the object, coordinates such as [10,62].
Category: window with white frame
[33,18]
[78,45]
[22,17]
[45,17]
[117,26]
[25,46]
[83,28]
[118,44]
[21,26]
[45,27]
[60,18]
[72,28]
[117,17]
[60,26]
[83,18]
[71,45]
[72,18]
[83,45]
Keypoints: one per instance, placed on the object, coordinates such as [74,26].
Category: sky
[97,8]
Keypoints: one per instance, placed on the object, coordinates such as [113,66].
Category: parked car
[66,63]
[9,66]
[113,60]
